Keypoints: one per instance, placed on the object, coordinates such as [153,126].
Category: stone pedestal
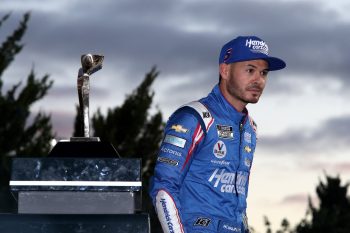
[76,195]
[75,223]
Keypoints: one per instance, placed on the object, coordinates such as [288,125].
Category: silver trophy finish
[90,64]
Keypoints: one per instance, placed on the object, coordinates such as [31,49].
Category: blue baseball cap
[246,48]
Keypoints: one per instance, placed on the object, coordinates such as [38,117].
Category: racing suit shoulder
[175,149]
[202,113]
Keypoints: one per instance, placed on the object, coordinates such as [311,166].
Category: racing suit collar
[227,108]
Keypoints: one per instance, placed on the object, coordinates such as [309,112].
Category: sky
[303,116]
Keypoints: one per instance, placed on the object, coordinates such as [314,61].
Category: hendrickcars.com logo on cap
[257,46]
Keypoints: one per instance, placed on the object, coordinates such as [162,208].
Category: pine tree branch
[4,18]
[12,45]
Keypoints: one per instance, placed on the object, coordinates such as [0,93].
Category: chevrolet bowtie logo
[247,149]
[179,129]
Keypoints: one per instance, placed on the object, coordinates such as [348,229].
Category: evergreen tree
[331,216]
[285,226]
[333,213]
[21,134]
[267,224]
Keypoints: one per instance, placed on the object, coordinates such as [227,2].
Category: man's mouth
[255,89]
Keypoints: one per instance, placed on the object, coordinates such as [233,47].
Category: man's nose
[259,77]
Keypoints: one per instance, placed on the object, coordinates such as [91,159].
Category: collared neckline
[227,109]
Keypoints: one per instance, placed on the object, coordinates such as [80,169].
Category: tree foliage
[331,216]
[333,213]
[21,133]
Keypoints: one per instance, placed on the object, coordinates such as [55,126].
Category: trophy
[85,146]
[90,64]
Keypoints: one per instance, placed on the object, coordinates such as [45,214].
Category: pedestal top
[76,174]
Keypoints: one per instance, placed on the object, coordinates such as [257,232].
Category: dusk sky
[303,116]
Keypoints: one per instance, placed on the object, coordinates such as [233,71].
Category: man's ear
[224,70]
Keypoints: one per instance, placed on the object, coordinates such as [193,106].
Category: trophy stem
[83,92]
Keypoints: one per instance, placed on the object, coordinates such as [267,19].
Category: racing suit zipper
[239,160]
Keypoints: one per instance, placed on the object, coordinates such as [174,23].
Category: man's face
[245,81]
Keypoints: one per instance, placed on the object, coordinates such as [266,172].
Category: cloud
[185,37]
[69,92]
[333,168]
[330,136]
[297,198]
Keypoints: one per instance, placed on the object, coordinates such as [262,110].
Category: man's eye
[250,71]
[264,73]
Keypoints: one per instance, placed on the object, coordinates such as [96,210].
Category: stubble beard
[240,94]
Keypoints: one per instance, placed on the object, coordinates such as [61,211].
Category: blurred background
[303,116]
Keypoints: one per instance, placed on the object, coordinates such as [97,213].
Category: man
[201,178]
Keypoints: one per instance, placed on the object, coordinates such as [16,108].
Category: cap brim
[275,63]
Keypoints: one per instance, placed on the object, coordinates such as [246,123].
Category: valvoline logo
[219,149]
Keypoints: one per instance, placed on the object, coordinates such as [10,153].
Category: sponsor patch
[176,141]
[219,150]
[168,161]
[204,222]
[206,114]
[179,128]
[228,227]
[220,162]
[247,137]
[247,162]
[229,182]
[167,215]
[247,149]
[170,151]
[225,131]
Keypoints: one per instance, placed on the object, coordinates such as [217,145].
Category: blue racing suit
[200,182]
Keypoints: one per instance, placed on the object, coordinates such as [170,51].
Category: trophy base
[85,139]
[55,223]
[89,147]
